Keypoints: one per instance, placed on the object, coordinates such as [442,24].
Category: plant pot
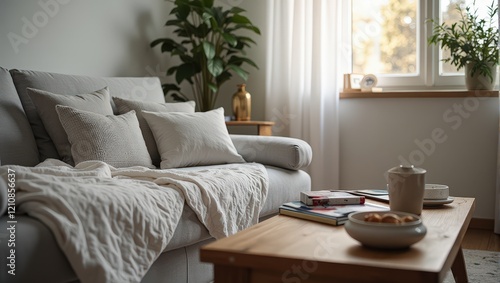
[479,81]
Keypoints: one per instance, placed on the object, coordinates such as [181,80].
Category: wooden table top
[282,242]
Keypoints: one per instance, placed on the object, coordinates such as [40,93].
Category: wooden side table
[263,127]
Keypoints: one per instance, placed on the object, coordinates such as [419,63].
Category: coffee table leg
[458,268]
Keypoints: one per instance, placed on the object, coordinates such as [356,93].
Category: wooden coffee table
[286,249]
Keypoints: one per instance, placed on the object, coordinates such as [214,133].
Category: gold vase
[242,104]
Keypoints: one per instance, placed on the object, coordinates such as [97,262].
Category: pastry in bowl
[385,229]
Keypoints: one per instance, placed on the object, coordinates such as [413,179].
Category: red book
[325,198]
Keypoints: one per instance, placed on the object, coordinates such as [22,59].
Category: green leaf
[236,10]
[170,87]
[212,87]
[229,38]
[218,15]
[246,39]
[208,3]
[207,17]
[182,12]
[224,77]
[239,71]
[236,60]
[157,41]
[249,27]
[171,70]
[209,49]
[215,66]
[239,19]
[179,97]
[185,72]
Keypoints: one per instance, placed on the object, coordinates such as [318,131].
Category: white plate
[436,202]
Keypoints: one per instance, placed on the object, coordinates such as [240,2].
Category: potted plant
[473,44]
[210,48]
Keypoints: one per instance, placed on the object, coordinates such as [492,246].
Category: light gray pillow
[45,103]
[126,105]
[116,140]
[192,139]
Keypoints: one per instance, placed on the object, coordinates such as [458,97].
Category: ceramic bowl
[385,235]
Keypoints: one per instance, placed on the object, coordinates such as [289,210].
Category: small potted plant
[210,45]
[473,44]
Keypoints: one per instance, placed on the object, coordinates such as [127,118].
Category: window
[388,38]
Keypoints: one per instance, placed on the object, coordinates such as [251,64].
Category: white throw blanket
[112,223]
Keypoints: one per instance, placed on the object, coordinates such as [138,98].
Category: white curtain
[497,207]
[303,80]
[497,202]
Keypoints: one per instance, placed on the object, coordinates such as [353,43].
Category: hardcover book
[377,194]
[333,214]
[330,198]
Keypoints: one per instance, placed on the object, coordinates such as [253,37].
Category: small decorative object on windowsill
[352,82]
[242,104]
[368,83]
[473,43]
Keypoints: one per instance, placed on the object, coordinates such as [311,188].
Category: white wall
[111,38]
[454,139]
[87,37]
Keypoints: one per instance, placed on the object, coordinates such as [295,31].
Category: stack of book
[330,207]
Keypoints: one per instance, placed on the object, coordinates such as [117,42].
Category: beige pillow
[45,103]
[116,140]
[192,139]
[125,105]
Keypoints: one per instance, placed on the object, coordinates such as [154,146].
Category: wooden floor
[481,239]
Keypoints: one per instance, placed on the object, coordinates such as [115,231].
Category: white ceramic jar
[406,186]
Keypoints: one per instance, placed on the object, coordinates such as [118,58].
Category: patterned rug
[482,267]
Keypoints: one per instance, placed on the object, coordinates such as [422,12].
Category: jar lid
[407,169]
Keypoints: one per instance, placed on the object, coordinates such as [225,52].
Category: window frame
[428,76]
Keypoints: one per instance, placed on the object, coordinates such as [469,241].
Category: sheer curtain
[497,202]
[303,80]
[497,207]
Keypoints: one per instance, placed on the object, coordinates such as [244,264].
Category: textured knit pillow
[125,105]
[192,139]
[116,140]
[45,103]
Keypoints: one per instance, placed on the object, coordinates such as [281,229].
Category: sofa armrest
[283,152]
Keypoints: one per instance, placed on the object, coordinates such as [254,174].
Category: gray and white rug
[482,267]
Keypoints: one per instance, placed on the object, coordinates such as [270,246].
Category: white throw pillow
[192,139]
[125,105]
[116,140]
[45,103]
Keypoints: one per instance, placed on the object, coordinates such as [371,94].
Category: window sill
[419,94]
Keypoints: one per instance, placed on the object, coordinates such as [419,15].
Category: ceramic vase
[478,81]
[242,104]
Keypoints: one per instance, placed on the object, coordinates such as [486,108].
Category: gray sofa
[38,257]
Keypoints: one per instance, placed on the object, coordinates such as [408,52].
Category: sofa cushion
[126,105]
[45,103]
[192,139]
[116,140]
[17,143]
[146,88]
[283,152]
